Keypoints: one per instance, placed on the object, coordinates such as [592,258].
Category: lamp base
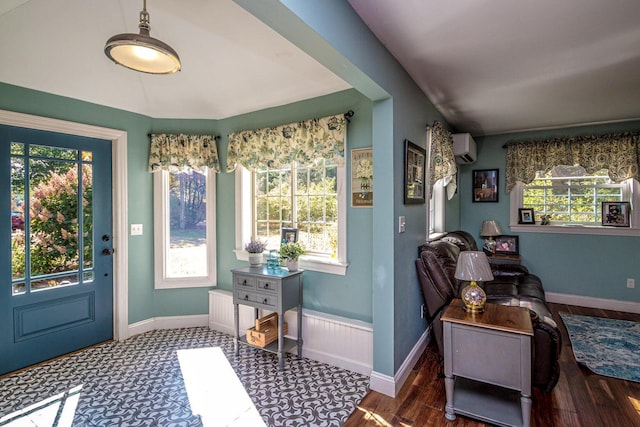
[473,297]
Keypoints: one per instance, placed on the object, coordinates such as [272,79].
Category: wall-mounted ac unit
[464,148]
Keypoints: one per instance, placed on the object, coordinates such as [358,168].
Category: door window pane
[51,201]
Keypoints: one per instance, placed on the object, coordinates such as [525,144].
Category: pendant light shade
[141,52]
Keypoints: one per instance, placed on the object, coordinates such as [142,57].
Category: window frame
[161,234]
[244,224]
[631,189]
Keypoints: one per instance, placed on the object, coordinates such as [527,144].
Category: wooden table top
[495,316]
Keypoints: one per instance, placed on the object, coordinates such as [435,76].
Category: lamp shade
[473,266]
[490,228]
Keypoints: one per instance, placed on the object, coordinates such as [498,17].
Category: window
[310,198]
[573,199]
[437,204]
[184,216]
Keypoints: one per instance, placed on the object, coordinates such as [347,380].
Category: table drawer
[244,282]
[254,298]
[268,285]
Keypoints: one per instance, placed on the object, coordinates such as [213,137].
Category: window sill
[321,265]
[576,229]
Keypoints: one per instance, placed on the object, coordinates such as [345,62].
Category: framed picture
[507,245]
[289,235]
[485,185]
[414,171]
[362,178]
[615,214]
[525,216]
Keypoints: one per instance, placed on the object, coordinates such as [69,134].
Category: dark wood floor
[581,398]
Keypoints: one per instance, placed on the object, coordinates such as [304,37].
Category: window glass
[185,240]
[569,195]
[305,198]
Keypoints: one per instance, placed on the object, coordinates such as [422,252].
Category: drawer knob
[246,297]
[244,283]
[266,285]
[265,301]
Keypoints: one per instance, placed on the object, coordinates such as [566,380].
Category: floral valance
[442,163]
[618,153]
[179,152]
[278,146]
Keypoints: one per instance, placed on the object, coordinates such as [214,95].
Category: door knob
[106,237]
[107,251]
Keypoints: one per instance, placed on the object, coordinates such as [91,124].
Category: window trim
[516,198]
[243,211]
[161,234]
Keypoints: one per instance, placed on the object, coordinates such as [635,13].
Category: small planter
[292,265]
[255,260]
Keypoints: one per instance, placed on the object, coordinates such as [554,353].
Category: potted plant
[255,249]
[290,252]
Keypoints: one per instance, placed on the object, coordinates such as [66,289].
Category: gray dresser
[273,290]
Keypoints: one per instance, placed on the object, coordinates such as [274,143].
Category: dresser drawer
[244,282]
[268,285]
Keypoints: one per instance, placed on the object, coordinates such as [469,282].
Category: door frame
[119,182]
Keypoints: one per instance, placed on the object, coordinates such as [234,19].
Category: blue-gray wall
[585,265]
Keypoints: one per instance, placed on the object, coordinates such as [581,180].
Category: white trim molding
[593,302]
[168,322]
[119,184]
[391,385]
[335,340]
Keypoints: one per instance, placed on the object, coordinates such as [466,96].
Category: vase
[292,264]
[255,260]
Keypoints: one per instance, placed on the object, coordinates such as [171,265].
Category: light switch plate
[136,229]
[401,224]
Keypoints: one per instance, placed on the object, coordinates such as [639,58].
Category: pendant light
[141,52]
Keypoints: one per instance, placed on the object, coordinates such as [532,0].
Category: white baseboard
[335,340]
[391,385]
[168,322]
[591,302]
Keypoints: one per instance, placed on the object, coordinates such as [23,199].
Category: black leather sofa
[512,285]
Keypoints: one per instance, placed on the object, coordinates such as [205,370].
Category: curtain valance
[442,162]
[618,153]
[175,153]
[278,146]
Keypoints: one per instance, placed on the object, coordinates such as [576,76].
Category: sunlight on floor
[372,416]
[635,403]
[56,411]
[215,392]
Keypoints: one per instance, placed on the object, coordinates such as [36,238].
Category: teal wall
[348,296]
[400,111]
[586,265]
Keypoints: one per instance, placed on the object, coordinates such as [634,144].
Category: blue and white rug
[606,346]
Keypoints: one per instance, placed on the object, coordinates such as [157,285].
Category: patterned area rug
[606,346]
[141,382]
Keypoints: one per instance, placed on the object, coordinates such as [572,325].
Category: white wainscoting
[337,341]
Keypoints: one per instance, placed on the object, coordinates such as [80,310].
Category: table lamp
[490,229]
[473,266]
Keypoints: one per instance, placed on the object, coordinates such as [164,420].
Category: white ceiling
[493,66]
[490,66]
[231,62]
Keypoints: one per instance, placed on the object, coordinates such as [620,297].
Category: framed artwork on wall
[485,185]
[362,178]
[414,172]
